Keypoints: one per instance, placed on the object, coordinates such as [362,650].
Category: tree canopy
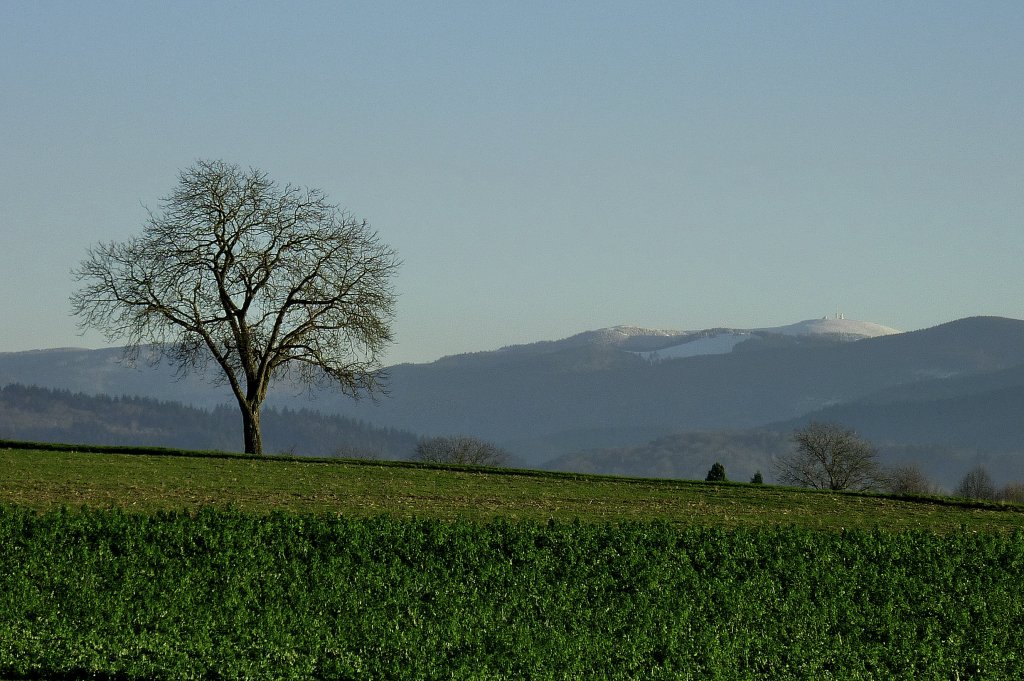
[253,275]
[716,474]
[460,449]
[977,484]
[828,456]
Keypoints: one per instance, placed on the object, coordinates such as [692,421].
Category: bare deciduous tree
[461,450]
[828,456]
[1013,492]
[977,484]
[910,479]
[254,275]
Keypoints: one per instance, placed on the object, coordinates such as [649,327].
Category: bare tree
[1013,492]
[253,275]
[910,479]
[976,484]
[828,456]
[460,449]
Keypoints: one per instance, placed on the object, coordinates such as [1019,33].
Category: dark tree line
[45,415]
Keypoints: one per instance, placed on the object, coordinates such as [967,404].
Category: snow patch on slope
[664,344]
[724,341]
[720,344]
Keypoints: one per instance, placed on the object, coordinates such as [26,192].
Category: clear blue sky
[544,168]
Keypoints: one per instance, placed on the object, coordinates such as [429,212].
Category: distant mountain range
[955,390]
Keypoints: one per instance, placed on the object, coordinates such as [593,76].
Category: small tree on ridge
[460,449]
[910,479]
[828,456]
[977,484]
[716,474]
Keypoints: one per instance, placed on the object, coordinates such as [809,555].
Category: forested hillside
[44,415]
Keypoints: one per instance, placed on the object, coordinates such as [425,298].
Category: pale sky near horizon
[544,168]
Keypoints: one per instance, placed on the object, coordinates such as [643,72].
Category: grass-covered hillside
[167,565]
[152,480]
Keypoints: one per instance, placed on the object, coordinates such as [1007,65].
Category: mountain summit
[665,344]
[848,329]
[661,344]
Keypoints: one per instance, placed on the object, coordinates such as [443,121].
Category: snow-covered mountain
[661,344]
[847,329]
[681,344]
[608,388]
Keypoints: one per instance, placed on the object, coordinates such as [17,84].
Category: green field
[148,482]
[160,565]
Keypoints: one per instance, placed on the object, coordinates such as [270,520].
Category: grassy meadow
[143,564]
[148,481]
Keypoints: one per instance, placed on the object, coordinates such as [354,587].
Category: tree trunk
[251,428]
